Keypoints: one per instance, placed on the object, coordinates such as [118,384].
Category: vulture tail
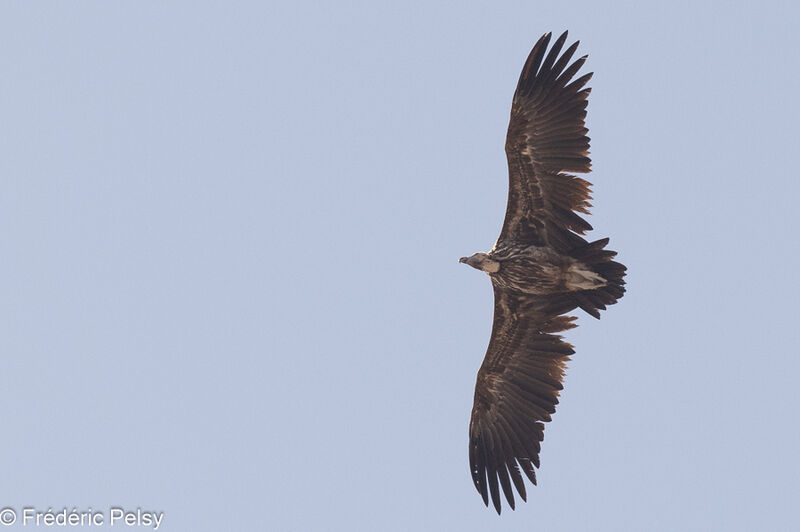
[600,261]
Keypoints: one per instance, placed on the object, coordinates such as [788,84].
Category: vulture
[541,268]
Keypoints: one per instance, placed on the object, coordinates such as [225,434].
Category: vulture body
[541,268]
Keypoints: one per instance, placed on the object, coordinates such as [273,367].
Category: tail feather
[600,261]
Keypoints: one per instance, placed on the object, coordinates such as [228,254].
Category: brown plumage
[540,268]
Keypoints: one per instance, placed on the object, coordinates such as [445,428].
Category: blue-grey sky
[229,287]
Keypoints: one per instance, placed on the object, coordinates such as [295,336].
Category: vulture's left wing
[546,138]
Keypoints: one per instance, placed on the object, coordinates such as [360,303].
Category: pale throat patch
[490,266]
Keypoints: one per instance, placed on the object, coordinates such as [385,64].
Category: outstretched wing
[547,137]
[517,391]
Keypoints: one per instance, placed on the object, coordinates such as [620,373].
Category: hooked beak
[463,260]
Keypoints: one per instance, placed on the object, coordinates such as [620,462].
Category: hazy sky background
[229,286]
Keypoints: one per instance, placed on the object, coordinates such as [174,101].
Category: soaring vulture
[541,268]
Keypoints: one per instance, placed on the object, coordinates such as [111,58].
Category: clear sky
[229,279]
